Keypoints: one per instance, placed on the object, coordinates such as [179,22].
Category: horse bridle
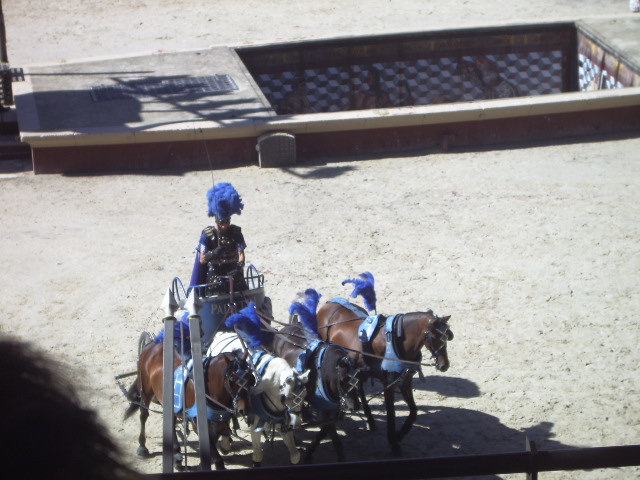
[243,380]
[298,398]
[351,381]
[428,337]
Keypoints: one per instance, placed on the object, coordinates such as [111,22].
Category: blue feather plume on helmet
[307,311]
[247,323]
[364,286]
[224,201]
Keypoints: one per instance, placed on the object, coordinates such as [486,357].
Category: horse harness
[238,378]
[391,361]
[216,411]
[263,407]
[428,337]
[321,398]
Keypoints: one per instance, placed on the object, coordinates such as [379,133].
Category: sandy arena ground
[533,251]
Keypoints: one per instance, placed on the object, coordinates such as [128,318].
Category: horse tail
[133,395]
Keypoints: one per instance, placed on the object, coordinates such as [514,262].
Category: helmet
[223,201]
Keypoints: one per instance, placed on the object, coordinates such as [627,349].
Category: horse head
[292,394]
[239,380]
[348,375]
[436,336]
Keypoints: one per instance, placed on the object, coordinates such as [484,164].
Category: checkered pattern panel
[416,82]
[592,77]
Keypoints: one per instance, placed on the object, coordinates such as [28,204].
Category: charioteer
[220,254]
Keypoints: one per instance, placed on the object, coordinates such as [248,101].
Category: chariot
[207,306]
[218,299]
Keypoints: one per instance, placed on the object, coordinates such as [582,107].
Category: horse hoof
[220,465]
[225,446]
[143,452]
[308,459]
[257,464]
[396,451]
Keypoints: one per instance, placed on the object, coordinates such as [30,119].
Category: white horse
[276,399]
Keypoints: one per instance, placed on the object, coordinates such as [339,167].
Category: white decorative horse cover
[224,342]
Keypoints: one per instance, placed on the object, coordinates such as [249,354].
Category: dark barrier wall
[415,69]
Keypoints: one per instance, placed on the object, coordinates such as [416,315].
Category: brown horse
[228,379]
[339,324]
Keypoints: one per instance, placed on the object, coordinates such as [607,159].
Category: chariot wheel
[145,339]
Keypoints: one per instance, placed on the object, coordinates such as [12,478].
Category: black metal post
[531,448]
[4,57]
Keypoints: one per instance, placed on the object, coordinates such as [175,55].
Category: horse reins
[329,324]
[242,383]
[269,328]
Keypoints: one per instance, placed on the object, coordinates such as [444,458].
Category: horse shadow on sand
[439,431]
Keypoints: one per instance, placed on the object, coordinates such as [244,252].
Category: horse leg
[215,429]
[256,443]
[290,441]
[145,399]
[142,438]
[236,424]
[177,454]
[365,406]
[225,443]
[308,457]
[336,440]
[389,394]
[407,393]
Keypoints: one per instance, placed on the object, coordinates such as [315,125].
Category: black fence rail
[8,75]
[529,462]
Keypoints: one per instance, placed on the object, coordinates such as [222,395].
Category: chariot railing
[252,277]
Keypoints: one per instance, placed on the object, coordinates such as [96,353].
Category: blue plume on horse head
[247,323]
[307,311]
[223,201]
[364,286]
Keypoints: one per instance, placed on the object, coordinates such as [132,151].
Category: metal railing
[528,462]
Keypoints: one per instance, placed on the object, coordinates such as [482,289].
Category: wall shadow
[320,172]
[447,386]
[181,98]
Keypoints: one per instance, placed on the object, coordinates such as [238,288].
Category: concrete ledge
[341,121]
[228,152]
